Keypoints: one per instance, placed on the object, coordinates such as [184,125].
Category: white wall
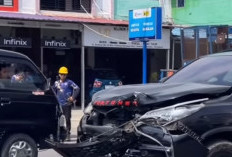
[28,6]
[166,10]
[102,8]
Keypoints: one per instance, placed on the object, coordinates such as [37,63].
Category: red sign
[13,8]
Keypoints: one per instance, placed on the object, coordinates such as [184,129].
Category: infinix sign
[15,42]
[63,44]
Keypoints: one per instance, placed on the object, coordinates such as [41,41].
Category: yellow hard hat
[63,70]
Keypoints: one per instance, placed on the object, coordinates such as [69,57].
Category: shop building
[56,35]
[49,41]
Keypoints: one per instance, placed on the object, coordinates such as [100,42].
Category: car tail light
[97,84]
[126,103]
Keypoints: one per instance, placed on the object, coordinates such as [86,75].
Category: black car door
[24,99]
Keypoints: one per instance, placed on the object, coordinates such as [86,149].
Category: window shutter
[76,5]
[68,5]
[47,4]
[53,5]
[65,5]
[60,4]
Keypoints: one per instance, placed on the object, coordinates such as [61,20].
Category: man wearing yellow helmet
[66,91]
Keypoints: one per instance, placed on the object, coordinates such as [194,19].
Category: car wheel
[220,149]
[19,145]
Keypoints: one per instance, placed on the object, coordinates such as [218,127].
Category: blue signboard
[145,24]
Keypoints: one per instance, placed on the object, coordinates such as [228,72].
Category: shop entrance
[53,59]
[126,62]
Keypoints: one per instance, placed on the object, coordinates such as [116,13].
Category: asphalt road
[76,116]
[49,153]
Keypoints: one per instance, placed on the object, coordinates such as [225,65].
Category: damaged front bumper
[164,143]
[137,141]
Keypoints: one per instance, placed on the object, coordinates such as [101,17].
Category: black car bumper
[156,141]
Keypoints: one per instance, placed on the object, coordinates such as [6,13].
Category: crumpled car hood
[159,92]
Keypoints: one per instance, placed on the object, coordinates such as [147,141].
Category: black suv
[198,97]
[29,110]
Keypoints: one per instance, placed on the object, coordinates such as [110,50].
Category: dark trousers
[67,112]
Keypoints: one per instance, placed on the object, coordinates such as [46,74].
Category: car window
[211,70]
[20,74]
[106,74]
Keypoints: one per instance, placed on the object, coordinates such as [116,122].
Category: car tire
[19,145]
[220,149]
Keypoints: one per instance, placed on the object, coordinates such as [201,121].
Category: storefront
[20,39]
[52,44]
[109,47]
[61,47]
[49,44]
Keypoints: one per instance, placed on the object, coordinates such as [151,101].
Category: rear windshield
[211,70]
[105,74]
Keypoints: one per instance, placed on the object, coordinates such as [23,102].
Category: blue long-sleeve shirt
[66,89]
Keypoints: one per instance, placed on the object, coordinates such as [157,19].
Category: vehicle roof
[12,54]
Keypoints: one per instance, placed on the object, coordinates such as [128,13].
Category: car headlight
[172,113]
[88,109]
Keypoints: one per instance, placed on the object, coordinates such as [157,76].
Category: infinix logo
[15,42]
[54,43]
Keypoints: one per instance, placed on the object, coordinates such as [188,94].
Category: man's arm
[55,86]
[76,90]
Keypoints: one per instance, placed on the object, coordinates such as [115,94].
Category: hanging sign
[107,34]
[145,24]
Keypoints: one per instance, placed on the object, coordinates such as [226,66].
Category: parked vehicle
[195,102]
[187,115]
[29,110]
[104,79]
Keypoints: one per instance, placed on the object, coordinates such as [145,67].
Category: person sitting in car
[21,77]
[18,78]
[4,74]
[4,71]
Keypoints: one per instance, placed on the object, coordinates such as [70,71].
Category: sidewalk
[77,114]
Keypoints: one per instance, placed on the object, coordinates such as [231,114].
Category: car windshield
[210,70]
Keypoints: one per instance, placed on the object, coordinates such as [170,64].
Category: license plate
[109,86]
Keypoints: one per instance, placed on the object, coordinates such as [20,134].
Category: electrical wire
[116,39]
[98,7]
[85,10]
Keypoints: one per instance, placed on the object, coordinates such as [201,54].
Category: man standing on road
[66,91]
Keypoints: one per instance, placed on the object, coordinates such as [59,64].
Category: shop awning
[36,17]
[55,18]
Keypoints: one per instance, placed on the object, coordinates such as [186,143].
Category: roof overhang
[35,20]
